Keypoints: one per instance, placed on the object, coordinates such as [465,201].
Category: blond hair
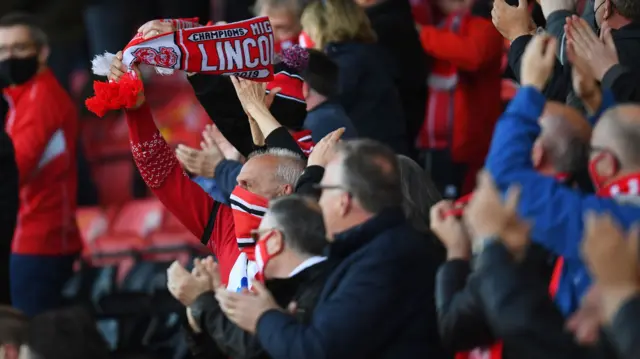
[294,7]
[333,21]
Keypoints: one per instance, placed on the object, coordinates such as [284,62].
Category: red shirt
[43,124]
[162,173]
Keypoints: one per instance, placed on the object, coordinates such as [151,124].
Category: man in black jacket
[8,209]
[291,239]
[621,16]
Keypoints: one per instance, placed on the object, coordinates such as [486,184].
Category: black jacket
[9,202]
[368,93]
[303,288]
[461,318]
[393,23]
[520,312]
[627,40]
[625,329]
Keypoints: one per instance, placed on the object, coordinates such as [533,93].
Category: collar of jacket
[284,289]
[14,93]
[629,31]
[356,237]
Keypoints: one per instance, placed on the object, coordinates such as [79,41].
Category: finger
[209,142]
[523,4]
[550,51]
[608,39]
[259,288]
[119,55]
[633,241]
[587,30]
[292,307]
[499,4]
[337,134]
[183,157]
[512,198]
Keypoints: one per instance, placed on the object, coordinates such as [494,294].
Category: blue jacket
[378,302]
[220,187]
[326,118]
[556,211]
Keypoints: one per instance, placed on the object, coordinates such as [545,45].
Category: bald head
[565,137]
[618,130]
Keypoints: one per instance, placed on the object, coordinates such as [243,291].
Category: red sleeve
[161,171]
[481,44]
[31,135]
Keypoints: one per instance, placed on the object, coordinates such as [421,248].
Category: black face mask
[16,71]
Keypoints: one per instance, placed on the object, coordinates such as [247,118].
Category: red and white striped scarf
[248,209]
[304,140]
[242,49]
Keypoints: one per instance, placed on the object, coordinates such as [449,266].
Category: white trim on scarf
[248,205]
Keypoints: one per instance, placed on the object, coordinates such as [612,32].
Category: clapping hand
[538,61]
[202,162]
[599,55]
[251,94]
[512,21]
[450,230]
[324,150]
[487,216]
[187,287]
[612,258]
[245,309]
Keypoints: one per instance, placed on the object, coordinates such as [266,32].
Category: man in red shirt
[43,125]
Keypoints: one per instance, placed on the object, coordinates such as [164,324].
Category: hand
[325,149]
[201,162]
[538,61]
[610,254]
[599,55]
[585,323]
[511,21]
[184,286]
[118,69]
[550,6]
[211,267]
[156,27]
[585,85]
[212,135]
[268,98]
[450,230]
[245,309]
[251,94]
[486,215]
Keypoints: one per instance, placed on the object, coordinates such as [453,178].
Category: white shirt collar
[306,264]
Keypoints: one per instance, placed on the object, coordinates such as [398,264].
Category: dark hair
[419,191]
[23,19]
[69,333]
[321,74]
[371,174]
[13,326]
[300,220]
[630,9]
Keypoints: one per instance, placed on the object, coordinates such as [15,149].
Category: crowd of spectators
[377,197]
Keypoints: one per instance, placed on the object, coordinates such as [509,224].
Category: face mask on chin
[16,71]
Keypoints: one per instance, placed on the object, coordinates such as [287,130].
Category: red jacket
[43,124]
[192,206]
[471,55]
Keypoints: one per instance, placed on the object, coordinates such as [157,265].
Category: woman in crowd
[368,92]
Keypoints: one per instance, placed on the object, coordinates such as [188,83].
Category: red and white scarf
[242,49]
[304,140]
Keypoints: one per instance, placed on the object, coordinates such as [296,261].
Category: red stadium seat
[92,222]
[121,251]
[138,218]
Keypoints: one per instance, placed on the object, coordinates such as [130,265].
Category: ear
[305,90]
[345,204]
[537,154]
[287,189]
[44,54]
[275,243]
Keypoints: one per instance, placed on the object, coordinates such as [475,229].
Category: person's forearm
[264,119]
[256,133]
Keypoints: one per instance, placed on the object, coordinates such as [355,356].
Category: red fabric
[248,211]
[242,48]
[625,186]
[290,86]
[492,352]
[475,51]
[304,141]
[192,206]
[43,124]
[305,41]
[278,46]
[422,11]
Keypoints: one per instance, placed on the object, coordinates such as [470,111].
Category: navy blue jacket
[368,93]
[556,211]
[378,302]
[326,118]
